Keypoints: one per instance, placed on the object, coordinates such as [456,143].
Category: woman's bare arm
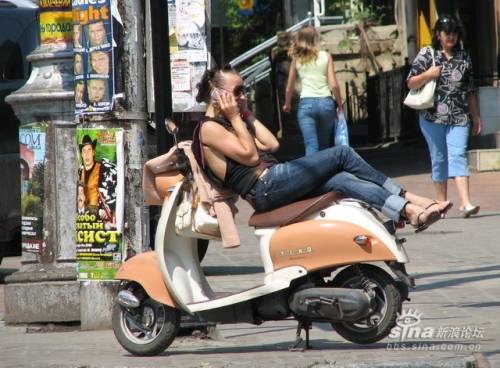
[264,139]
[418,81]
[332,81]
[240,145]
[474,110]
[290,86]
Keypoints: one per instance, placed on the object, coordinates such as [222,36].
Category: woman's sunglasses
[238,91]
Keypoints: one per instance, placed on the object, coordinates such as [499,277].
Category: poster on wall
[189,54]
[55,21]
[93,56]
[32,160]
[100,203]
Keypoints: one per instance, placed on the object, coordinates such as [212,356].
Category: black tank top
[239,178]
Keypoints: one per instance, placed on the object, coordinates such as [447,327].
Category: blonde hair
[305,45]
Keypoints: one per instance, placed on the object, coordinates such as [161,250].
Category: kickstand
[306,326]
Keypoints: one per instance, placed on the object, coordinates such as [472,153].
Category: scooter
[318,257]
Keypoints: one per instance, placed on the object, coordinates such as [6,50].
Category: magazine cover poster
[32,160]
[189,51]
[99,219]
[55,21]
[93,57]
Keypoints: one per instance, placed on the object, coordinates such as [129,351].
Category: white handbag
[422,98]
[193,219]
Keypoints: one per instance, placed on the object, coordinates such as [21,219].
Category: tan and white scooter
[318,257]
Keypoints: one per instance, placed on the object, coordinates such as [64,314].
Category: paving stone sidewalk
[456,261]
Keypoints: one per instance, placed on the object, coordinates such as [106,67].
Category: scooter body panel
[178,258]
[326,240]
[324,243]
[144,269]
[280,280]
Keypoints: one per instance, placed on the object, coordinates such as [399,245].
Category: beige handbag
[422,98]
[193,219]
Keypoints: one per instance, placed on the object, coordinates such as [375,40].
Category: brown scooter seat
[293,212]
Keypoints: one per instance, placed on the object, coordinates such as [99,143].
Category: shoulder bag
[422,98]
[193,219]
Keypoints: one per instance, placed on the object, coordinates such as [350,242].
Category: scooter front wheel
[146,330]
[386,305]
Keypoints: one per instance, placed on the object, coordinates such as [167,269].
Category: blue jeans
[333,169]
[317,116]
[447,146]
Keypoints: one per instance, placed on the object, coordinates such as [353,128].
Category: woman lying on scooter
[233,148]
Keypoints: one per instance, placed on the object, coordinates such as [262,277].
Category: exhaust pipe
[127,299]
[337,304]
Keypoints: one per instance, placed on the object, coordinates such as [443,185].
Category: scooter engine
[337,304]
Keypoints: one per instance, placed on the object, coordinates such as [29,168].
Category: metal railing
[268,43]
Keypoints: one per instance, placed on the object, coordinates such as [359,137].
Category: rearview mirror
[171,126]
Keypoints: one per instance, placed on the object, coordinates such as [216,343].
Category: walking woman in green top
[317,111]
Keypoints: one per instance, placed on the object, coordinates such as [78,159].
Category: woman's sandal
[432,217]
[468,212]
[443,207]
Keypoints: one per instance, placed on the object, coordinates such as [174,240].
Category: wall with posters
[93,56]
[100,198]
[55,21]
[189,54]
[32,160]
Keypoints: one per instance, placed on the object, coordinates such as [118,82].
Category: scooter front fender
[145,270]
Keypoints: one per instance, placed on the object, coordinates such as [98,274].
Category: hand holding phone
[225,102]
[215,95]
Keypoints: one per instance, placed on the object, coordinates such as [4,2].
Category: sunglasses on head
[447,22]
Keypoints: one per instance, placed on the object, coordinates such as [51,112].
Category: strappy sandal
[432,217]
[444,207]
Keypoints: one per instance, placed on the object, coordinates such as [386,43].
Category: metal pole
[161,73]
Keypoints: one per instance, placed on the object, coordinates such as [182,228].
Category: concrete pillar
[96,297]
[45,288]
[410,16]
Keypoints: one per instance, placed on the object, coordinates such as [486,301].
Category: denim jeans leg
[435,136]
[326,122]
[456,140]
[377,196]
[290,181]
[307,124]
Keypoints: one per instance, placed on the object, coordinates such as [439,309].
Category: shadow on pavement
[480,305]
[4,272]
[469,270]
[318,345]
[409,157]
[454,282]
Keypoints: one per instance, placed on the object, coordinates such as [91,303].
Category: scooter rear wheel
[387,304]
[146,330]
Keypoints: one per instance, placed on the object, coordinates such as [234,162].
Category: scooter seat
[293,212]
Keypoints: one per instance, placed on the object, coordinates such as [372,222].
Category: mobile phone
[215,95]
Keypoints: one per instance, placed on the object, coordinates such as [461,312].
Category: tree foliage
[247,31]
[37,181]
[355,11]
[32,206]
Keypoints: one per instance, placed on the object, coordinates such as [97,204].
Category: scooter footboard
[144,269]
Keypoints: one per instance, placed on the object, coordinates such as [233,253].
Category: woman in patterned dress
[446,126]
